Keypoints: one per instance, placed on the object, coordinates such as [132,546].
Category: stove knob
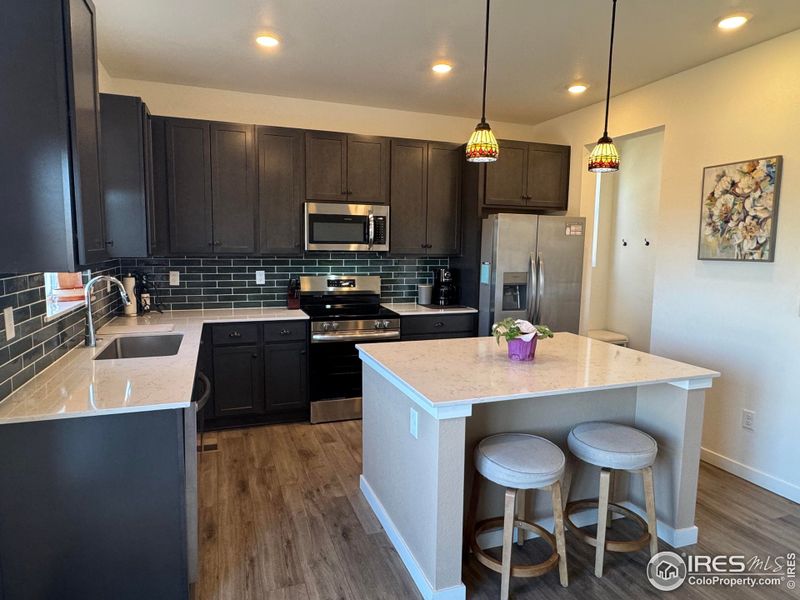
[335,326]
[386,324]
[326,327]
[378,324]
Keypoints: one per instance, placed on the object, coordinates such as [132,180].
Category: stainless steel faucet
[91,341]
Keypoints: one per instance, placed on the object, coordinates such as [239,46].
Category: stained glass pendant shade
[482,145]
[605,158]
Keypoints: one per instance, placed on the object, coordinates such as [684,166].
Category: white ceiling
[379,52]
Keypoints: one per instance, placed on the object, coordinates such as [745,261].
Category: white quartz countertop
[464,371]
[409,309]
[78,386]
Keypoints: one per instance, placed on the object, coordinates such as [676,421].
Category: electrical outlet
[174,278]
[749,419]
[261,277]
[414,423]
[8,315]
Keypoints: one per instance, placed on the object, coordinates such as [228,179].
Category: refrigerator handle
[532,296]
[539,288]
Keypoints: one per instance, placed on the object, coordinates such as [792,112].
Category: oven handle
[323,338]
[371,229]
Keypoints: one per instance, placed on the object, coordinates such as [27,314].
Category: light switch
[174,278]
[261,277]
[8,315]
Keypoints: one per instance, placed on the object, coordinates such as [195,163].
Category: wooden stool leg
[522,510]
[508,538]
[611,485]
[650,504]
[474,496]
[558,530]
[602,517]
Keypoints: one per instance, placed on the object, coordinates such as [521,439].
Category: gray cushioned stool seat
[519,460]
[612,445]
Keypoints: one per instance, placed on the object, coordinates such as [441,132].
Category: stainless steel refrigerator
[531,268]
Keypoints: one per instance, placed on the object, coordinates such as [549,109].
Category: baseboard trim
[769,482]
[457,592]
[677,538]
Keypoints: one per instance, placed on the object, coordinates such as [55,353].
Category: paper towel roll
[129,283]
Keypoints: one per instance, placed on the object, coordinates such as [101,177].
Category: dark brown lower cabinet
[259,373]
[238,380]
[432,327]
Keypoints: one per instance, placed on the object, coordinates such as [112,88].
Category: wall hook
[646,242]
[624,242]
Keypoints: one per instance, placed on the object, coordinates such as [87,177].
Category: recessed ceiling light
[442,67]
[577,88]
[268,41]
[733,21]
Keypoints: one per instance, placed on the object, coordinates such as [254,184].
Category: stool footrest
[610,545]
[534,570]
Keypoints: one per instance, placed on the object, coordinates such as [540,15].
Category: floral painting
[740,210]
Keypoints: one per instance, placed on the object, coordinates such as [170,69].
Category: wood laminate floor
[282,518]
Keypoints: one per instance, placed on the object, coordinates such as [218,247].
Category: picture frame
[739,210]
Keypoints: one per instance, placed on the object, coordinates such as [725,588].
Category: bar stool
[518,462]
[614,447]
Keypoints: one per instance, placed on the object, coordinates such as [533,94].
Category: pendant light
[482,145]
[605,158]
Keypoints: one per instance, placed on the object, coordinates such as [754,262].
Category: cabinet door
[86,134]
[158,207]
[326,165]
[506,178]
[189,186]
[444,198]
[233,188]
[281,179]
[367,169]
[548,176]
[285,369]
[238,380]
[124,174]
[409,190]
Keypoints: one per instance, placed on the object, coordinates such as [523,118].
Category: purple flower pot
[519,349]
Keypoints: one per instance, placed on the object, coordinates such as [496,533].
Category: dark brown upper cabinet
[188,160]
[233,188]
[528,175]
[51,200]
[425,198]
[126,162]
[347,167]
[211,183]
[281,180]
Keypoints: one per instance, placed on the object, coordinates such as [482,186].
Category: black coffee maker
[445,292]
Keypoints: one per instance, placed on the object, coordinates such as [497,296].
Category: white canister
[129,283]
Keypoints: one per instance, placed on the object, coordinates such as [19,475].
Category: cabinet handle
[302,351]
[218,243]
[438,324]
[286,331]
[349,192]
[234,334]
[254,355]
[110,243]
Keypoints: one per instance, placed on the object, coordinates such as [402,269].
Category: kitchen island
[426,405]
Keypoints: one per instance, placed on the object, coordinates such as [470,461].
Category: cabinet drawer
[284,331]
[444,325]
[234,333]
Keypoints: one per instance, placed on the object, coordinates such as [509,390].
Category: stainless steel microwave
[348,227]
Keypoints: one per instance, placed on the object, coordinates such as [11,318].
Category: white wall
[222,105]
[741,319]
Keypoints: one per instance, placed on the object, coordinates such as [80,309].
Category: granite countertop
[78,386]
[409,309]
[462,371]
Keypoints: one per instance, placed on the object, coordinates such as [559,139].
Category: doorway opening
[625,241]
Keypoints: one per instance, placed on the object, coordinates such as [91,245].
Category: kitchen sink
[141,346]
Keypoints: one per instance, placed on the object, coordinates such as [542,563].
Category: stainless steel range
[345,310]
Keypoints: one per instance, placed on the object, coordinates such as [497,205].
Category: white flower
[528,330]
[723,186]
[746,184]
[725,210]
[751,234]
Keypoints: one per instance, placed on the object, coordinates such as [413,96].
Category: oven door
[350,227]
[335,376]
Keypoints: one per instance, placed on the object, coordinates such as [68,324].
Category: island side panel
[673,415]
[415,485]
